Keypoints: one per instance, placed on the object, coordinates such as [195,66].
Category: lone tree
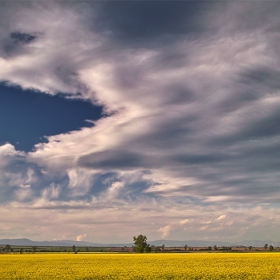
[140,244]
[8,248]
[265,246]
[271,248]
[34,249]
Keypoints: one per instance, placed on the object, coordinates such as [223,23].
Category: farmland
[141,266]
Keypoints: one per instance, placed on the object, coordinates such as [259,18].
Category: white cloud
[23,194]
[114,190]
[79,181]
[165,231]
[51,192]
[183,222]
[7,154]
[20,177]
[222,217]
[81,237]
[43,63]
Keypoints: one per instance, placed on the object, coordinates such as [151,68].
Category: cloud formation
[190,139]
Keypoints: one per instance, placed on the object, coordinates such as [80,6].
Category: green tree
[34,249]
[250,248]
[8,248]
[140,243]
[148,249]
[163,247]
[271,248]
[74,248]
[186,247]
[265,246]
[215,247]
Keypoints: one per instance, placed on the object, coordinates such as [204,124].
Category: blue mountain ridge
[167,243]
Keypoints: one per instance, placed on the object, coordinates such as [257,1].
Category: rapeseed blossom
[202,266]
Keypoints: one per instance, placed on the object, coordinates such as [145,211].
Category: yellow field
[141,266]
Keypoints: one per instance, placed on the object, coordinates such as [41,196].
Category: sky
[121,118]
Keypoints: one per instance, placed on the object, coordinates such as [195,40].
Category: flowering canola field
[204,266]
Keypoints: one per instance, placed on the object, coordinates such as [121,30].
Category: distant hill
[167,243]
[190,243]
[66,243]
[28,242]
[199,243]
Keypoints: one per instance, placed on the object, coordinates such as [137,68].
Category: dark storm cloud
[196,159]
[23,38]
[117,160]
[16,43]
[256,129]
[266,78]
[251,85]
[150,23]
[266,127]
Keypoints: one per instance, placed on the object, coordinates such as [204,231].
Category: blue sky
[27,116]
[119,118]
